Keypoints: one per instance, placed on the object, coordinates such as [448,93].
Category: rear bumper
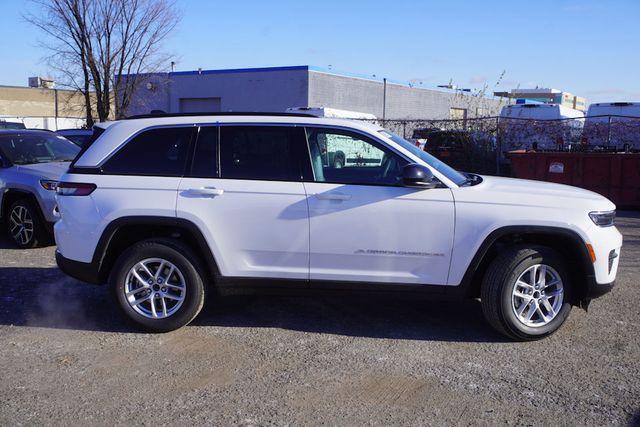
[83,271]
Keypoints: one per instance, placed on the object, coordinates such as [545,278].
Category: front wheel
[526,293]
[158,285]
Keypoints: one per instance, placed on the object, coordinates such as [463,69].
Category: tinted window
[160,152]
[79,140]
[205,157]
[26,148]
[348,158]
[12,125]
[260,152]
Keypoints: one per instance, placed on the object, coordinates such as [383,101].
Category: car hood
[539,193]
[51,170]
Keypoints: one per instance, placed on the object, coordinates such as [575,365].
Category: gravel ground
[67,356]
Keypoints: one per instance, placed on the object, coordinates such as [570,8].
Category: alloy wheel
[21,225]
[155,288]
[537,295]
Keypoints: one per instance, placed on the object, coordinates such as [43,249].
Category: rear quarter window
[154,152]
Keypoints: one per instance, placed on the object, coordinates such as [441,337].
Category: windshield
[455,176]
[24,148]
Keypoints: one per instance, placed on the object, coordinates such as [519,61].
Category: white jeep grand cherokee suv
[165,208]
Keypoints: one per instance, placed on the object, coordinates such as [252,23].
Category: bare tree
[105,48]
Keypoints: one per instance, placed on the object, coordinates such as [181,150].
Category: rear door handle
[333,196]
[205,192]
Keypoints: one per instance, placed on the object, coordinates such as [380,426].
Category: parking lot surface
[67,356]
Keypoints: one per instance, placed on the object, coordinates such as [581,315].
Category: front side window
[154,152]
[347,158]
[29,148]
[260,152]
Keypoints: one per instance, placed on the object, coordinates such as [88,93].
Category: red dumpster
[614,175]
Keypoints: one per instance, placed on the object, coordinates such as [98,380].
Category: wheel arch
[126,231]
[565,241]
[11,195]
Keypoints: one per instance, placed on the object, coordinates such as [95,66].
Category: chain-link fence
[480,145]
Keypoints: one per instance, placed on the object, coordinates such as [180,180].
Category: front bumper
[595,289]
[607,246]
[83,271]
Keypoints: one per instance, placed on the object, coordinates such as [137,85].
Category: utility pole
[384,98]
[55,103]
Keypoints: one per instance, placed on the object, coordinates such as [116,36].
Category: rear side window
[261,152]
[205,157]
[155,152]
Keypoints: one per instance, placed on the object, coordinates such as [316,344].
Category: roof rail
[158,114]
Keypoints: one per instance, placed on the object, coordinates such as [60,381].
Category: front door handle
[333,196]
[205,192]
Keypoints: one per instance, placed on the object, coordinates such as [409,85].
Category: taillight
[74,189]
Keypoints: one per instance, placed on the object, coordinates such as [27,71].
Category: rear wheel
[158,285]
[525,293]
[24,224]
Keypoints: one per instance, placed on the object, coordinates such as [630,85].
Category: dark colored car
[78,136]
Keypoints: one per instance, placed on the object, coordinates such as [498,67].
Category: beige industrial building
[41,107]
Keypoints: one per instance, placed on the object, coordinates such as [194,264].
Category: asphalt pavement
[67,356]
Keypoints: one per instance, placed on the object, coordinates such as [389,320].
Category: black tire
[186,262]
[499,281]
[37,236]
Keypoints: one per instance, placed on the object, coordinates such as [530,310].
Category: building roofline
[310,68]
[38,88]
[240,70]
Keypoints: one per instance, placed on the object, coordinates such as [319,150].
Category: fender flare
[467,280]
[114,226]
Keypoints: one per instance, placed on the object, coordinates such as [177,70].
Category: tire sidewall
[193,281]
[540,256]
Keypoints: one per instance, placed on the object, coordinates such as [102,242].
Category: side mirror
[418,176]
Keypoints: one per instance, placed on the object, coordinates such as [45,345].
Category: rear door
[245,193]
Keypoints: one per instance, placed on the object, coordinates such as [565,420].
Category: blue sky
[587,47]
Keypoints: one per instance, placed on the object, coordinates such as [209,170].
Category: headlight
[603,219]
[48,184]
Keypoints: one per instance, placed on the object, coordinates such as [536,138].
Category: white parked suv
[166,208]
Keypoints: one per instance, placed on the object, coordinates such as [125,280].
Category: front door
[364,225]
[245,193]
